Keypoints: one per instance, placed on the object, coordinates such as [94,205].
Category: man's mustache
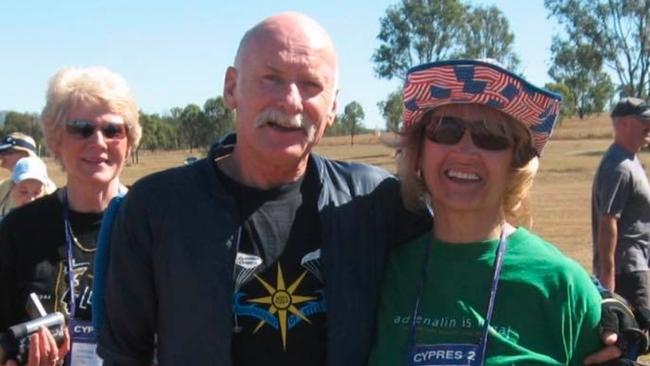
[285,120]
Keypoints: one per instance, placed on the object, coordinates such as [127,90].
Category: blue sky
[175,52]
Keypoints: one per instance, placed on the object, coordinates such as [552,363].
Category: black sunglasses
[84,129]
[450,130]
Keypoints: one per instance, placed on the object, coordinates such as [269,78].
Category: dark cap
[18,141]
[632,107]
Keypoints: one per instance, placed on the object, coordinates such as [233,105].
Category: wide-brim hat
[432,85]
[18,141]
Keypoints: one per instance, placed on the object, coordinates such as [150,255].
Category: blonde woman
[90,123]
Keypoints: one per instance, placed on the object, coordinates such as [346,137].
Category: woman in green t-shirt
[478,290]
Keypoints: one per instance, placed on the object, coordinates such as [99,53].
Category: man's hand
[610,352]
[624,333]
[43,350]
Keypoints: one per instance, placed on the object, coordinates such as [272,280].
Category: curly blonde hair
[525,164]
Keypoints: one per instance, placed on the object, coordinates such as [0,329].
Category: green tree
[351,119]
[487,35]
[168,133]
[417,31]
[568,108]
[27,123]
[174,120]
[391,110]
[414,32]
[220,118]
[147,140]
[579,67]
[155,133]
[618,30]
[194,126]
[336,129]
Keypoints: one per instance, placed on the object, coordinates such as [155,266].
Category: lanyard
[69,240]
[498,261]
[68,249]
[236,327]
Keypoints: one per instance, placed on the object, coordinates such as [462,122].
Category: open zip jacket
[173,251]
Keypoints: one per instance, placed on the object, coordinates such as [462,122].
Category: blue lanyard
[69,239]
[68,249]
[498,262]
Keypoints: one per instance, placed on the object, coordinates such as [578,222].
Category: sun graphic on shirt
[282,301]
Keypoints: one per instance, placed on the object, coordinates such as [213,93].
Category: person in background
[14,147]
[476,290]
[90,124]
[29,179]
[620,206]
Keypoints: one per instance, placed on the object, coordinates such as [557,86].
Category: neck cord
[498,262]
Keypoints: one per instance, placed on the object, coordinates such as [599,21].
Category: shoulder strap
[102,256]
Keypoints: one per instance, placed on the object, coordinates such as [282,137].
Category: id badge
[84,344]
[443,355]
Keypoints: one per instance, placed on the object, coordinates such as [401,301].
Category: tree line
[599,38]
[191,127]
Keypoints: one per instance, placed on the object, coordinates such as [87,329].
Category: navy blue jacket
[172,256]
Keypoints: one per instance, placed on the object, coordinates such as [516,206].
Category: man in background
[620,214]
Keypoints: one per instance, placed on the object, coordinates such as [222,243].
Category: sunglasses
[84,129]
[485,135]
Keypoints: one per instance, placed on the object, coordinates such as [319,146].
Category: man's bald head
[291,28]
[283,88]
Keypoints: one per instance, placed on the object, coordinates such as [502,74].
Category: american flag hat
[432,85]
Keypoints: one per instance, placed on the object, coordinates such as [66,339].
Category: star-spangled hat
[432,85]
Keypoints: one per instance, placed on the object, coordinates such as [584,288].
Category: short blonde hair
[97,85]
[524,165]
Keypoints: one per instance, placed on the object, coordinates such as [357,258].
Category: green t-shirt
[547,310]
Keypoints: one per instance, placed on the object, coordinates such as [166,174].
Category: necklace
[78,244]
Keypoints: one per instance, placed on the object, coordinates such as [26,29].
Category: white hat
[30,167]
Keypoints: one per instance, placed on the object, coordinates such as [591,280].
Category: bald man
[263,253]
